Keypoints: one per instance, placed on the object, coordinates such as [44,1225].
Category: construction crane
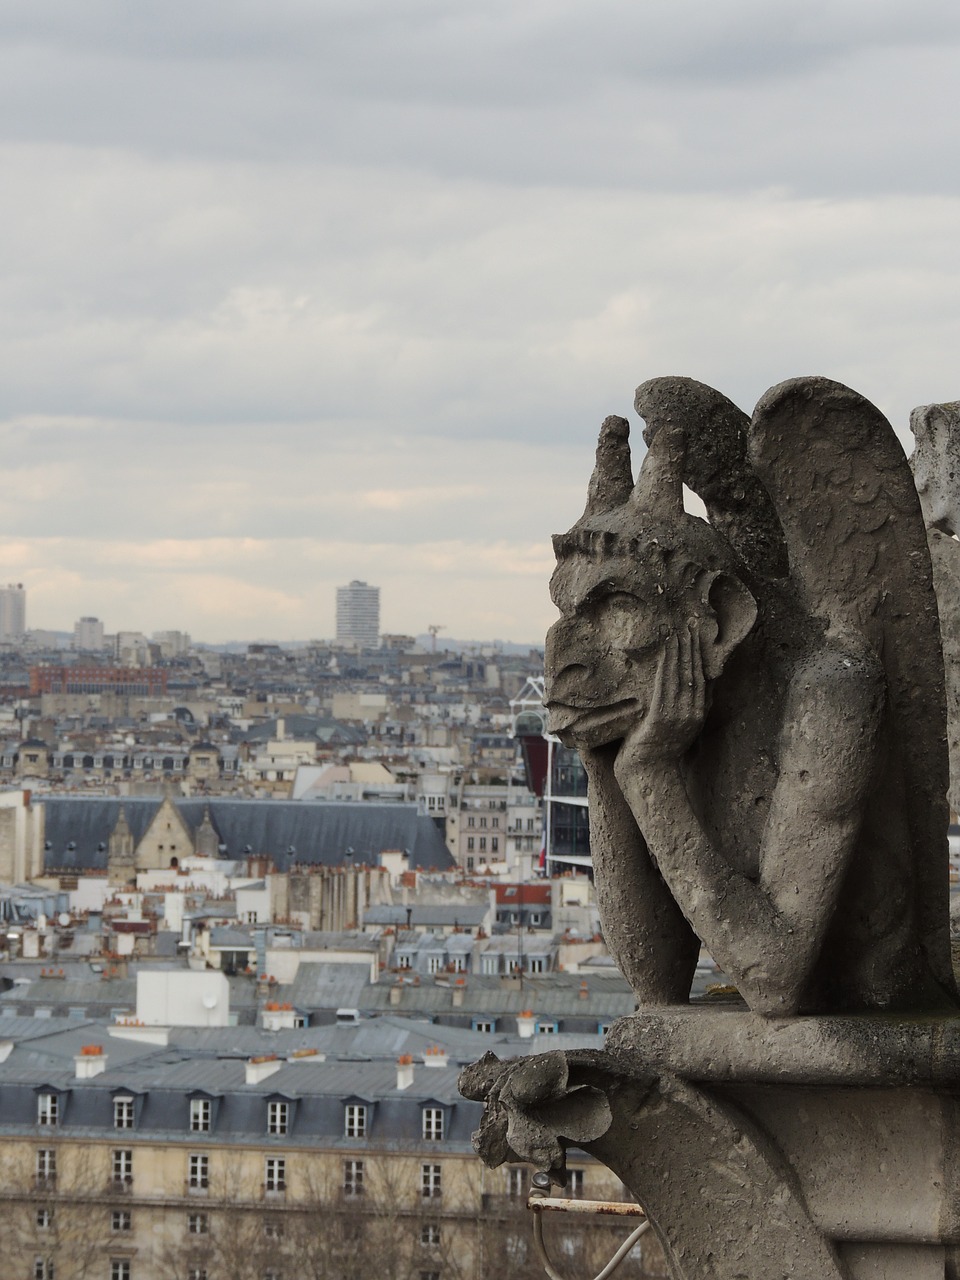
[433,628]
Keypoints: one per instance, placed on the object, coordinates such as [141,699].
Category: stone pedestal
[820,1147]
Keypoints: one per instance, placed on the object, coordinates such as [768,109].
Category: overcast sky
[300,291]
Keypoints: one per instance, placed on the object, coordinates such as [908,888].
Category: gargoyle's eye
[618,601]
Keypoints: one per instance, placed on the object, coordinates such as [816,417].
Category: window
[123,1113]
[470,844]
[483,844]
[199,1176]
[483,822]
[46,1165]
[353,1177]
[482,1024]
[405,961]
[429,1275]
[430,1234]
[494,844]
[123,1166]
[432,1124]
[278,1117]
[546,1028]
[44,1219]
[275,1174]
[120,1269]
[273,1229]
[534,917]
[200,1115]
[355,1121]
[43,1269]
[575,1182]
[516,1183]
[530,824]
[198,1224]
[197,1273]
[434,964]
[471,822]
[469,864]
[537,964]
[48,1108]
[495,822]
[430,1180]
[121,1220]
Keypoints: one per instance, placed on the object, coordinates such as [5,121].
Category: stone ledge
[726,1043]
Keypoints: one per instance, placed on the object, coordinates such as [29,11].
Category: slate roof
[306,729]
[165,1077]
[467,914]
[318,833]
[549,995]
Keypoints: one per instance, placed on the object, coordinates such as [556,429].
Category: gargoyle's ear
[734,613]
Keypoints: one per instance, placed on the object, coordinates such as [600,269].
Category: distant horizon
[425,640]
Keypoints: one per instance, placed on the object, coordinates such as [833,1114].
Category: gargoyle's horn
[612,481]
[659,487]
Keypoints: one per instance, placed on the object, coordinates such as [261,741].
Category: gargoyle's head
[634,571]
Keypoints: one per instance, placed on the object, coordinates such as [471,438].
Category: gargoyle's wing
[716,467]
[846,502]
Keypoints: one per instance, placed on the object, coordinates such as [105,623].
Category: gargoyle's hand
[678,707]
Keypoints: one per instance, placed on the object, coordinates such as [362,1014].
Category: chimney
[458,987]
[525,1024]
[396,993]
[90,1062]
[405,1071]
[584,989]
[260,1068]
[434,1056]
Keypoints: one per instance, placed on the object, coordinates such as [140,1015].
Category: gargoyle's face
[603,652]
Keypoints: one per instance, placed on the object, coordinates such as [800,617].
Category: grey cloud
[660,95]
[353,280]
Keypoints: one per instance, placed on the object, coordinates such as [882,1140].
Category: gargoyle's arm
[652,943]
[767,933]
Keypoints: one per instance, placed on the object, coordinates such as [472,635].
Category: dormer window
[278,1118]
[433,1124]
[123,1115]
[200,1115]
[48,1109]
[355,1120]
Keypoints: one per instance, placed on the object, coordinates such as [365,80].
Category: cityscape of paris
[310,317]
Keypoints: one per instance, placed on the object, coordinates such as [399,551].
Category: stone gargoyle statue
[936,470]
[758,702]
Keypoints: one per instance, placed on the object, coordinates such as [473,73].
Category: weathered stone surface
[815,1147]
[936,470]
[764,748]
[759,705]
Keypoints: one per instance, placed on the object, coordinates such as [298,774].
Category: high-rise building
[13,613]
[358,615]
[173,644]
[88,635]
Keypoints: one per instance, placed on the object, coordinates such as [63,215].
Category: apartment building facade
[130,1158]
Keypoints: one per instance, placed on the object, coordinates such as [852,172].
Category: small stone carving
[936,470]
[537,1107]
[758,702]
